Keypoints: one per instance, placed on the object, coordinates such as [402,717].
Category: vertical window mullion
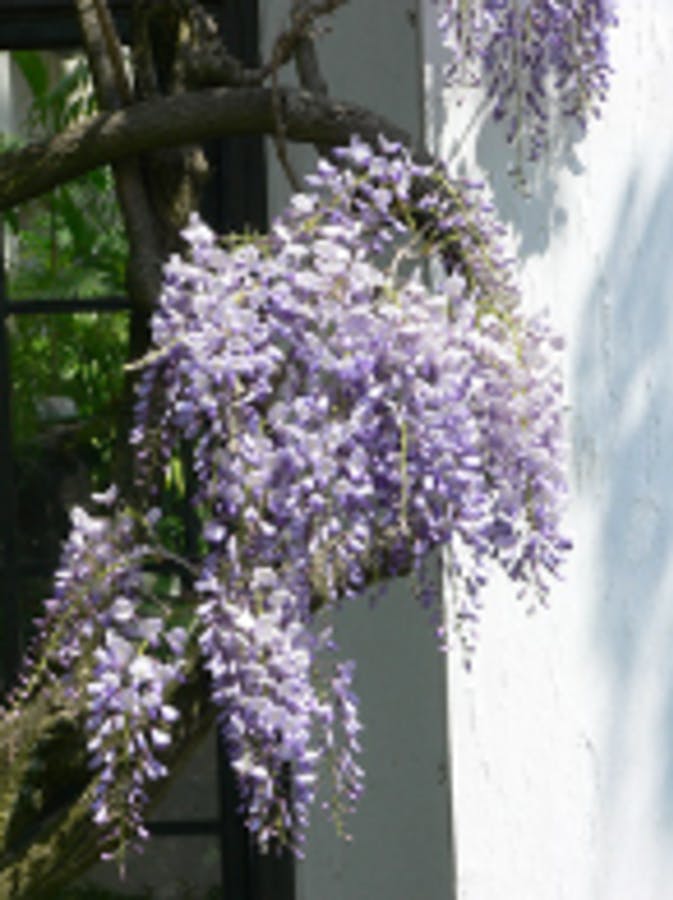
[11,630]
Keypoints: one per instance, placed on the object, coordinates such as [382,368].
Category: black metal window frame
[48,24]
[238,198]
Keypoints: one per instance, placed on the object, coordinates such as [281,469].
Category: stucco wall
[562,737]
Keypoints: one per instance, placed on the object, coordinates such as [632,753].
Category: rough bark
[104,54]
[176,120]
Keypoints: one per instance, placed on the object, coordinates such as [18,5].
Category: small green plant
[69,244]
[79,357]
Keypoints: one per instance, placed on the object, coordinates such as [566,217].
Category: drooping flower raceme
[278,713]
[101,559]
[130,717]
[105,655]
[356,388]
[348,411]
[532,56]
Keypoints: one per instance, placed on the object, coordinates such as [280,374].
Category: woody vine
[356,388]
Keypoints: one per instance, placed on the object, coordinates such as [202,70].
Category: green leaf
[32,66]
[175,476]
[74,216]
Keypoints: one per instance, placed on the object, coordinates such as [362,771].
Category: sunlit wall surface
[563,735]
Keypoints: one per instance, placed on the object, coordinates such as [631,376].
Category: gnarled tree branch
[181,119]
[103,51]
[310,75]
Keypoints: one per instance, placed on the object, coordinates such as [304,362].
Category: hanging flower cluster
[281,711]
[129,717]
[99,648]
[100,559]
[357,387]
[346,418]
[531,56]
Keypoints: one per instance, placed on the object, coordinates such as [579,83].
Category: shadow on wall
[623,440]
[531,208]
[464,115]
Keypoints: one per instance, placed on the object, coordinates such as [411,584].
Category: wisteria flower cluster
[346,418]
[532,56]
[100,649]
[281,709]
[356,388]
[100,559]
[129,717]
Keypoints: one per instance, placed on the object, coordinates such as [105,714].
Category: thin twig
[295,42]
[280,135]
[306,58]
[286,42]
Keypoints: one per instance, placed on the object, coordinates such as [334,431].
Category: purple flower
[112,661]
[358,388]
[129,719]
[347,417]
[531,56]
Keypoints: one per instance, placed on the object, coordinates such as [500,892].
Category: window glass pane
[171,868]
[194,793]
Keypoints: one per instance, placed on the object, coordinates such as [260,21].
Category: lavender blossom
[347,418]
[260,654]
[101,559]
[129,720]
[110,662]
[531,56]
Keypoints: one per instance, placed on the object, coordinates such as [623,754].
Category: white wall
[562,737]
[369,53]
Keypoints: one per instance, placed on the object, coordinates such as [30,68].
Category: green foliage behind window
[69,244]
